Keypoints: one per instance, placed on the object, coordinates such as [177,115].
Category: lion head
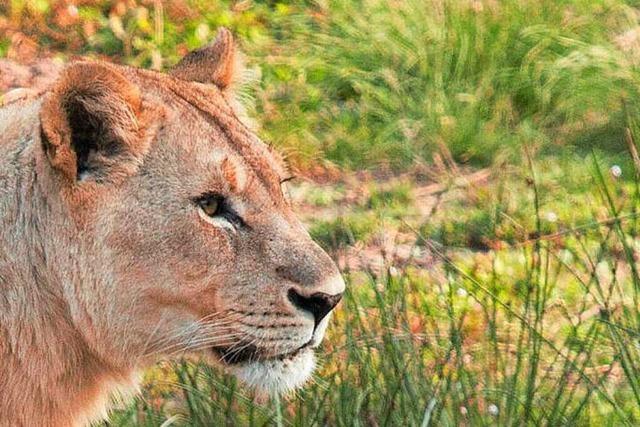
[176,231]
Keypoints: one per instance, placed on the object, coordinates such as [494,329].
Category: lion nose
[318,304]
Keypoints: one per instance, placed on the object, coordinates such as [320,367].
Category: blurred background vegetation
[470,164]
[377,83]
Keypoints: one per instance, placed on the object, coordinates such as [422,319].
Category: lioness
[140,217]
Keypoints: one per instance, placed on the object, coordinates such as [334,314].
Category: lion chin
[277,376]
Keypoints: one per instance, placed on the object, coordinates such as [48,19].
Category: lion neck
[49,374]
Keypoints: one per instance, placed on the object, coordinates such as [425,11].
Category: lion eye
[216,206]
[211,205]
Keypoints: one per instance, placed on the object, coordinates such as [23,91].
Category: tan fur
[218,63]
[106,262]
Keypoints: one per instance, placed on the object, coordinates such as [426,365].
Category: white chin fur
[277,376]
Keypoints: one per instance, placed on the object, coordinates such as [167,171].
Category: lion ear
[218,63]
[92,123]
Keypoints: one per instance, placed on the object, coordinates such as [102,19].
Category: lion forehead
[207,120]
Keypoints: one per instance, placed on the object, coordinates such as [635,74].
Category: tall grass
[373,82]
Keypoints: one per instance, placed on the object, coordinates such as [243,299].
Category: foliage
[365,83]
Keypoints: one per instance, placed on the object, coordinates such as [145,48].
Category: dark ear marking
[217,63]
[93,123]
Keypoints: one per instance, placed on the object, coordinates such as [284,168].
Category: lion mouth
[247,353]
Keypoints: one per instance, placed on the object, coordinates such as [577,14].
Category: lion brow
[240,138]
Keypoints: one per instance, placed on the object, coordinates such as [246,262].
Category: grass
[510,300]
[379,88]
